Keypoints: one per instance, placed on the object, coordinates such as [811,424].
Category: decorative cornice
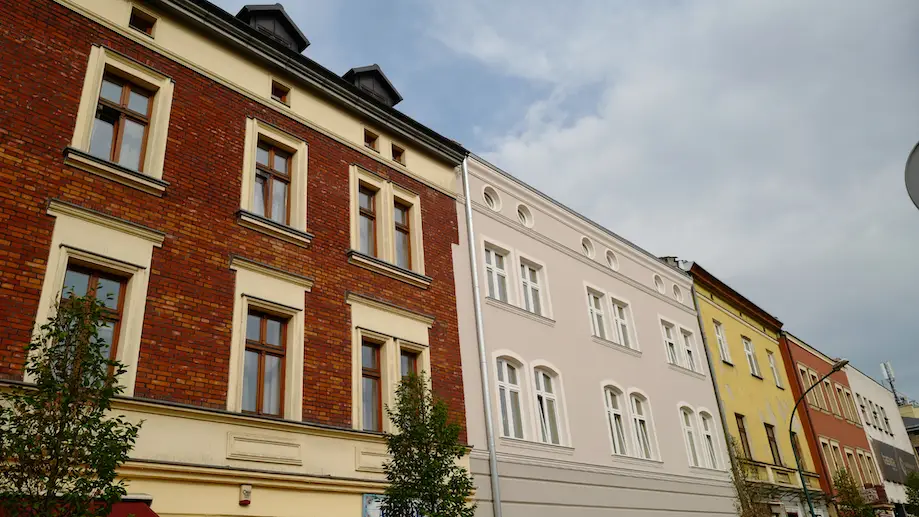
[237,263]
[352,298]
[109,170]
[391,270]
[57,207]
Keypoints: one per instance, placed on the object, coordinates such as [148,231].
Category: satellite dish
[912,175]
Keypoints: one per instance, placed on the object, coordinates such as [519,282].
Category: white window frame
[885,420]
[528,286]
[496,274]
[504,397]
[595,303]
[650,436]
[831,397]
[750,353]
[863,404]
[689,350]
[709,439]
[687,423]
[770,355]
[618,434]
[623,333]
[671,347]
[722,342]
[543,407]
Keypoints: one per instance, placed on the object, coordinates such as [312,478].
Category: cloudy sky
[764,139]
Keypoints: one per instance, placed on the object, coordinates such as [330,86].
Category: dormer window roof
[273,21]
[372,80]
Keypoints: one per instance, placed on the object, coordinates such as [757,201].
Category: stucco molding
[352,298]
[513,309]
[237,262]
[616,346]
[726,311]
[57,207]
[112,171]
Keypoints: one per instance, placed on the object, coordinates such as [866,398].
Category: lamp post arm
[794,449]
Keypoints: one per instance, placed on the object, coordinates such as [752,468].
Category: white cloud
[765,139]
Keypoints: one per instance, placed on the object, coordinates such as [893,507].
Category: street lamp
[912,175]
[838,365]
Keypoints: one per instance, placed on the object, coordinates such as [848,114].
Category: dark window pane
[402,250]
[100,144]
[261,156]
[367,238]
[279,202]
[76,282]
[365,198]
[273,331]
[271,397]
[106,335]
[138,101]
[250,381]
[111,91]
[409,363]
[370,409]
[400,214]
[258,203]
[280,162]
[253,327]
[132,140]
[369,357]
[109,292]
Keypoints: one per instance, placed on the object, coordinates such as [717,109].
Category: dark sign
[895,463]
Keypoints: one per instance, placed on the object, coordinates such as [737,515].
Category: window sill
[269,227]
[391,270]
[704,469]
[633,460]
[616,346]
[760,377]
[780,387]
[729,363]
[685,371]
[536,446]
[112,171]
[518,311]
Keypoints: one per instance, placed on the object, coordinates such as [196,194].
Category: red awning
[132,509]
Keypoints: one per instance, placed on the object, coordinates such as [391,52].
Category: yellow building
[750,377]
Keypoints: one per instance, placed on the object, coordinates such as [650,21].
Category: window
[796,447]
[280,93]
[371,140]
[371,386]
[105,287]
[398,154]
[595,308]
[587,247]
[773,444]
[141,21]
[673,355]
[272,183]
[689,348]
[751,357]
[659,284]
[830,397]
[368,221]
[869,467]
[677,293]
[828,456]
[841,398]
[547,405]
[853,413]
[496,274]
[861,403]
[819,396]
[742,432]
[408,363]
[854,469]
[708,437]
[403,235]
[837,456]
[774,368]
[263,368]
[722,342]
[874,415]
[612,261]
[806,384]
[524,216]
[689,436]
[885,420]
[614,419]
[621,324]
[119,132]
[491,198]
[509,399]
[644,433]
[529,277]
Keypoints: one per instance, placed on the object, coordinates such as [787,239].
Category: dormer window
[142,22]
[398,154]
[273,22]
[280,93]
[371,140]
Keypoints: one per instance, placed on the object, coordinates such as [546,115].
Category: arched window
[613,399]
[644,432]
[509,399]
[708,439]
[547,405]
[687,420]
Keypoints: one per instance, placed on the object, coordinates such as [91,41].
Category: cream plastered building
[601,395]
[195,461]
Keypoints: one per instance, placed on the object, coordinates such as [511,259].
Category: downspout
[483,354]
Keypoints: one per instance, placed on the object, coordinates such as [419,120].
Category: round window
[491,198]
[524,216]
[659,283]
[678,293]
[611,260]
[587,247]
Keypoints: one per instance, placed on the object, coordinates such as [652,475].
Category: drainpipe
[483,355]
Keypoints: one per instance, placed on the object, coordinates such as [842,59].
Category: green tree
[912,493]
[425,480]
[59,445]
[849,499]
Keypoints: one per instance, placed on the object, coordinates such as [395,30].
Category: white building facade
[893,451]
[600,391]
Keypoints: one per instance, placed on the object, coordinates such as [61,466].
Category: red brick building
[830,417]
[279,238]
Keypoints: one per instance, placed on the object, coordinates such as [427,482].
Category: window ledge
[704,469]
[536,446]
[112,171]
[616,346]
[269,227]
[634,460]
[520,312]
[391,270]
[729,363]
[685,371]
[760,377]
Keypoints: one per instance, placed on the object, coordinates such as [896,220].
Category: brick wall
[186,335]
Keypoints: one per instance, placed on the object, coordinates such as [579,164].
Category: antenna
[887,372]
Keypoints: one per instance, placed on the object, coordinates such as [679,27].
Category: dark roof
[910,422]
[243,36]
[703,276]
[245,14]
[376,72]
